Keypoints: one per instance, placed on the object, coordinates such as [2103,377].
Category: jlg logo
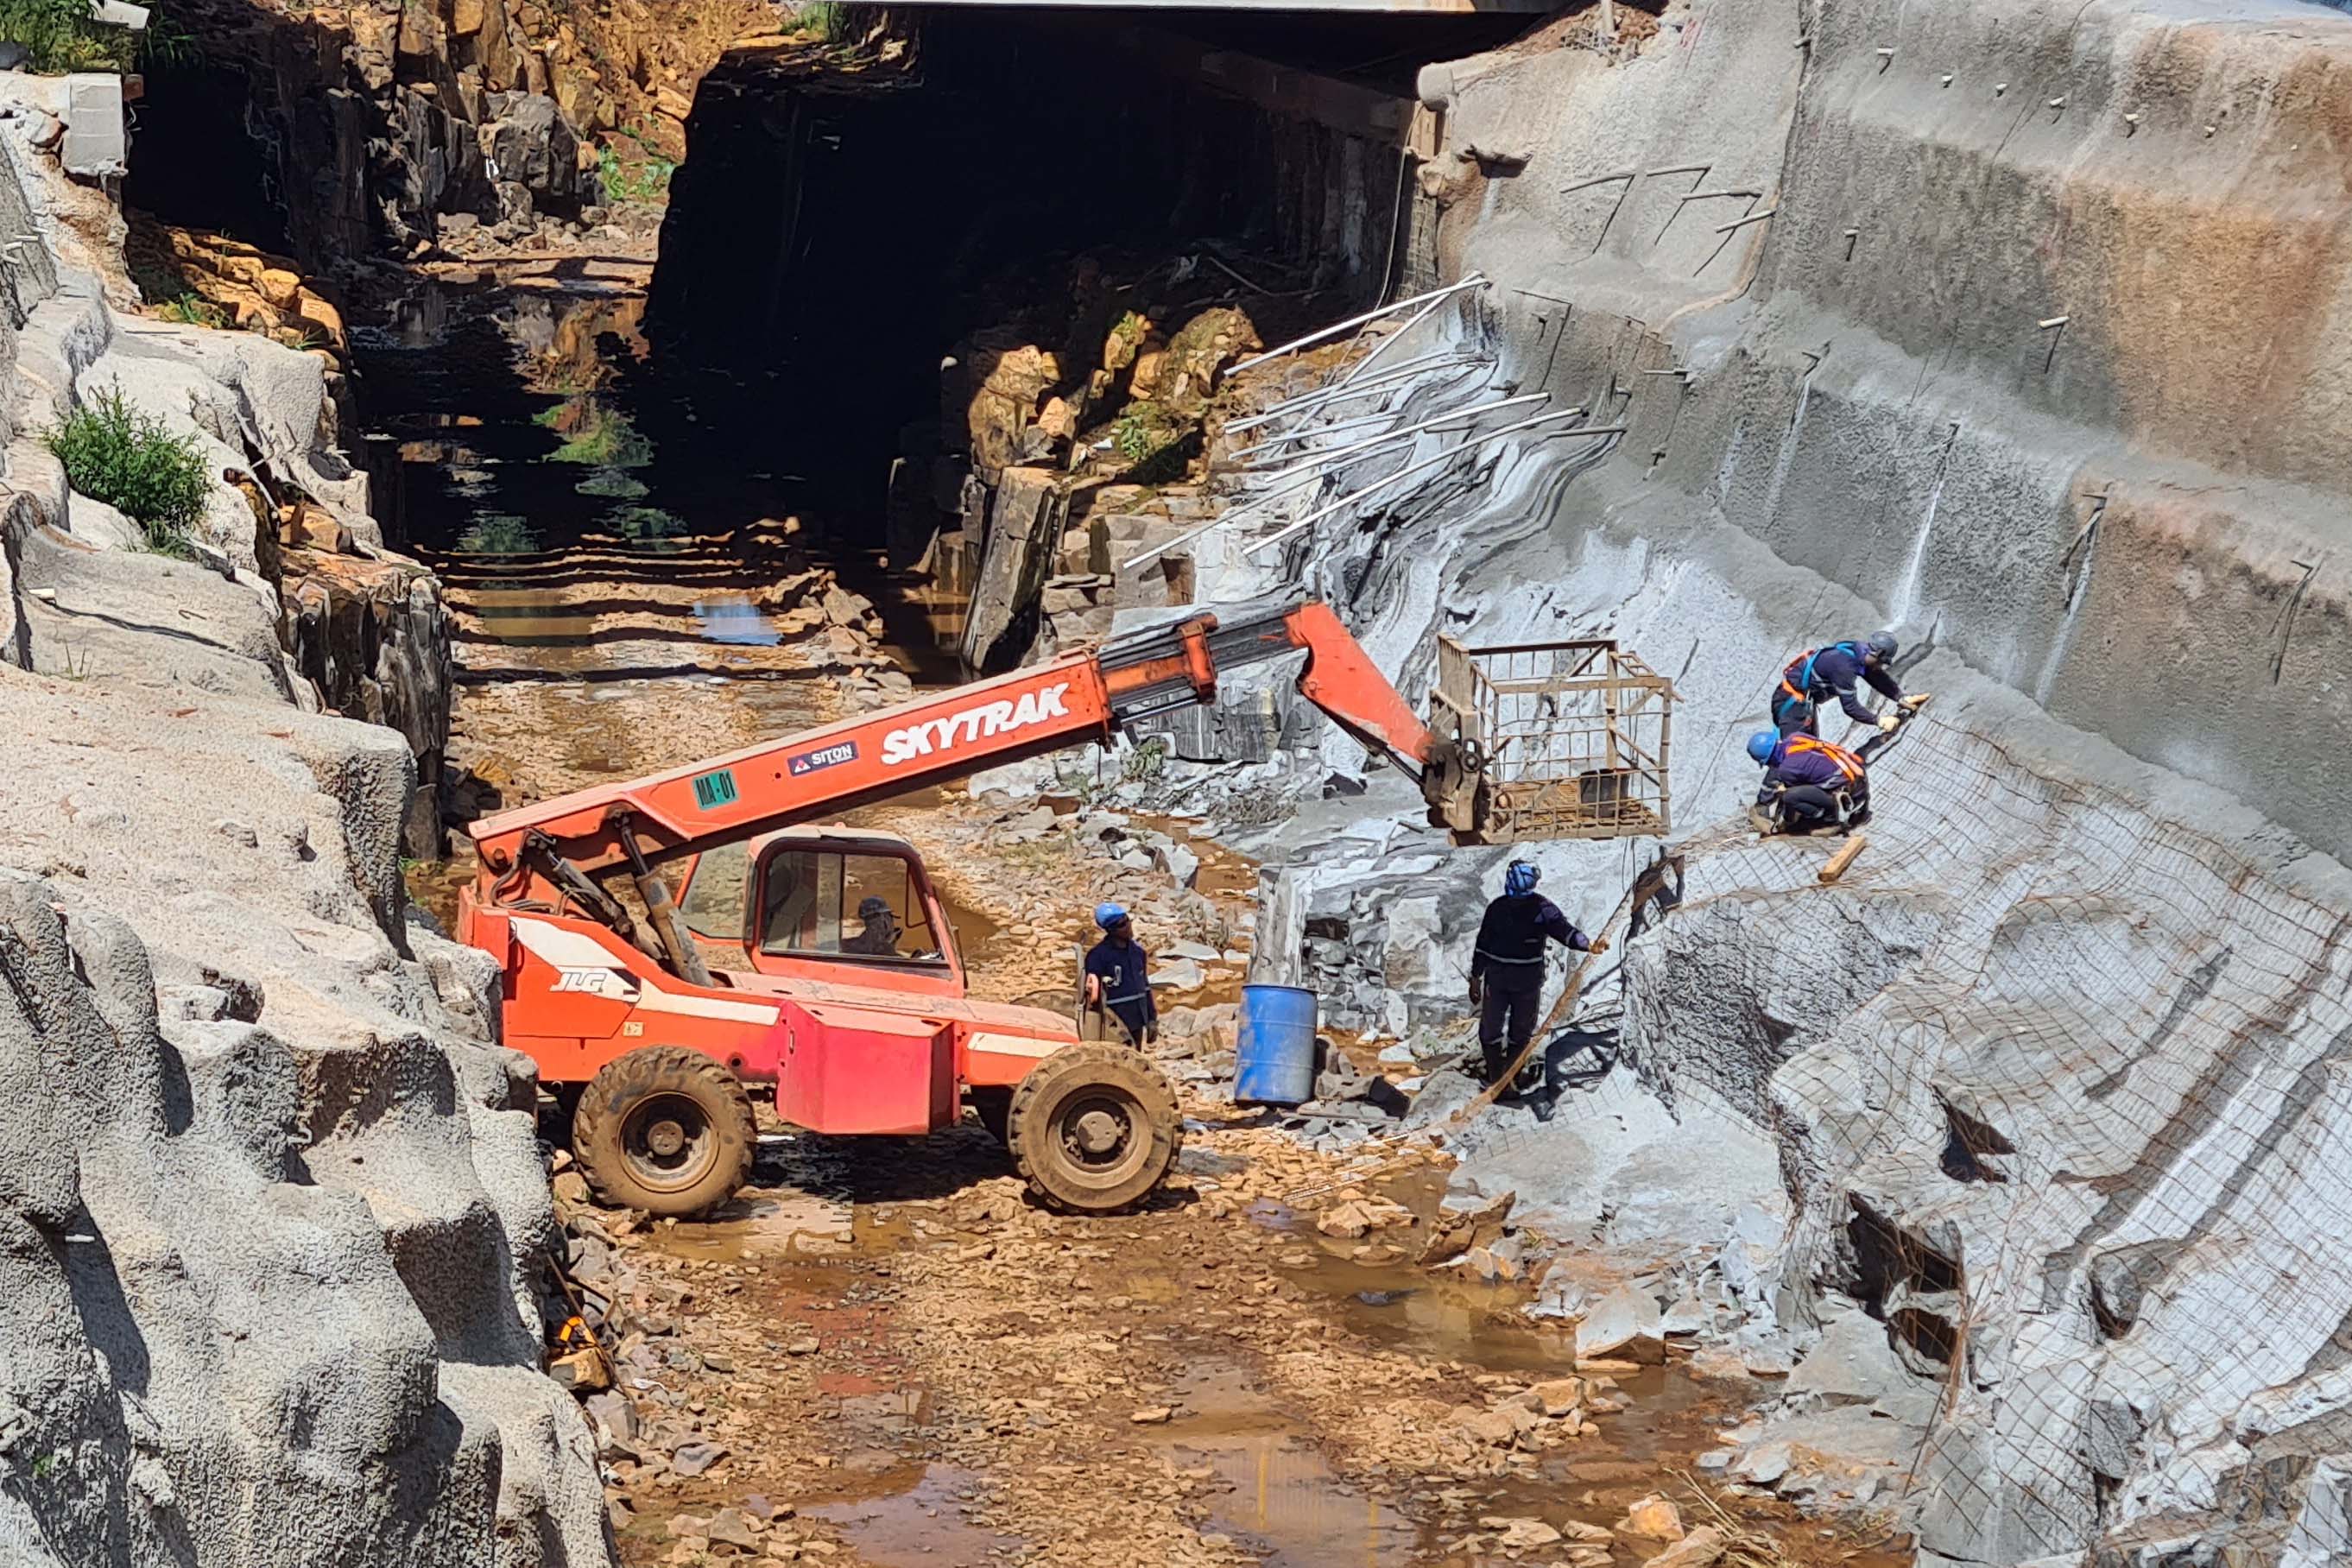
[961,728]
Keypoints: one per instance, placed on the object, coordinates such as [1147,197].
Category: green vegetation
[823,19]
[611,484]
[60,36]
[601,439]
[1131,436]
[643,178]
[128,459]
[498,533]
[194,309]
[1146,762]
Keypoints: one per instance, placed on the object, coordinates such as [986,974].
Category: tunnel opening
[198,164]
[835,236]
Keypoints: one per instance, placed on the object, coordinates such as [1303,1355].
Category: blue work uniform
[1124,969]
[1814,677]
[1814,783]
[1509,962]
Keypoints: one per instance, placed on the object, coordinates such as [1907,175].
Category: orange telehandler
[845,991]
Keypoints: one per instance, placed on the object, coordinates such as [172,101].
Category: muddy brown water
[1274,1491]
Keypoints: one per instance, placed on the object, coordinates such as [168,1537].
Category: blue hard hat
[1108,915]
[1520,879]
[1760,744]
[1881,646]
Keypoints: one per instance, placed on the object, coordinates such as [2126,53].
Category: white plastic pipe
[1317,515]
[1404,333]
[1334,394]
[1476,279]
[1311,470]
[1391,438]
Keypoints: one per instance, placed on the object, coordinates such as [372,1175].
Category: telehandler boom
[842,985]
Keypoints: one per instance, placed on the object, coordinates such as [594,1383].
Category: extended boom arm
[1086,696]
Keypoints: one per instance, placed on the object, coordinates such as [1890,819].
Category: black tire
[665,1129]
[993,1105]
[1094,1129]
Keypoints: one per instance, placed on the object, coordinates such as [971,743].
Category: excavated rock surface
[383,119]
[271,1287]
[2051,1073]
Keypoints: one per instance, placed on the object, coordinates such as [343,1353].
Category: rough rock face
[272,1209]
[2060,1084]
[383,118]
[373,637]
[2053,1074]
[270,1292]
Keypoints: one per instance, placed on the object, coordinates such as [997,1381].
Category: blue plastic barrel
[1274,1051]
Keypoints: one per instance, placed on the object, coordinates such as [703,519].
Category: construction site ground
[885,1352]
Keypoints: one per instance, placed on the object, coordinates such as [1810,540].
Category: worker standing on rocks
[1818,674]
[1118,975]
[1506,968]
[1810,786]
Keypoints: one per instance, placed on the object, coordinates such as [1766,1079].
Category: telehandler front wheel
[665,1129]
[1094,1127]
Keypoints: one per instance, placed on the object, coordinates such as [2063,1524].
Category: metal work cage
[1573,737]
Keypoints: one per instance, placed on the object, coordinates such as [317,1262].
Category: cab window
[713,902]
[820,904]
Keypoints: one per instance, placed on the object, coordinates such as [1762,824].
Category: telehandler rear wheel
[665,1129]
[1094,1127]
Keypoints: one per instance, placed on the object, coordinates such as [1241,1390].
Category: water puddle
[787,1225]
[738,621]
[1280,1496]
[924,1524]
[530,617]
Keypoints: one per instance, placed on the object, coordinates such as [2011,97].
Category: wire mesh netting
[2063,1092]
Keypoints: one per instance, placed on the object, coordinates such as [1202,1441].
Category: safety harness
[1797,680]
[1844,760]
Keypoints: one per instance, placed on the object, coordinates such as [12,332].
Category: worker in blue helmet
[1817,675]
[1117,975]
[1507,967]
[1810,786]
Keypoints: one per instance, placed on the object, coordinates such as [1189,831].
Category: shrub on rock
[128,459]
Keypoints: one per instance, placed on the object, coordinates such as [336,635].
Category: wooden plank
[1838,862]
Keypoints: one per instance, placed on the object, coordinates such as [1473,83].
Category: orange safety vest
[1846,761]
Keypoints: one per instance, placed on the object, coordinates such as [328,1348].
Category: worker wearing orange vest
[1818,674]
[1810,786]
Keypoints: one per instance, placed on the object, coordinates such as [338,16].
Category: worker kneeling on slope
[1507,969]
[1118,975]
[1810,786]
[1818,674]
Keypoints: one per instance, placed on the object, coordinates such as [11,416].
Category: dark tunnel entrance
[833,232]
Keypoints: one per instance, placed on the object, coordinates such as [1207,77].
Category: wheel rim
[668,1143]
[1100,1136]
